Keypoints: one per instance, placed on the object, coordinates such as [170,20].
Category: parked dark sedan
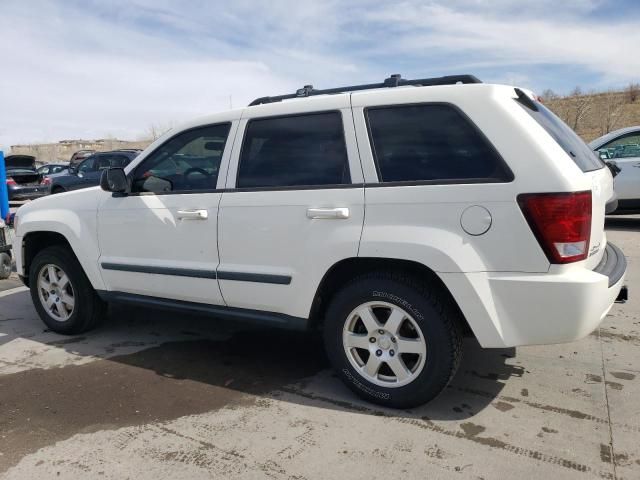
[88,172]
[23,180]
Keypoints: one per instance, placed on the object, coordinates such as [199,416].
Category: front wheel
[395,341]
[61,292]
[5,265]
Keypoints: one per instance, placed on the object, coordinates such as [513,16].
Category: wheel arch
[340,273]
[34,242]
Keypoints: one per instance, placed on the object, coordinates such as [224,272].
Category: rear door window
[299,150]
[433,143]
[571,143]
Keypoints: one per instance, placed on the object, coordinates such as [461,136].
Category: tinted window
[431,142]
[187,162]
[570,142]
[294,151]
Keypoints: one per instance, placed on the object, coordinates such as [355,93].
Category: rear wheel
[394,341]
[57,190]
[62,293]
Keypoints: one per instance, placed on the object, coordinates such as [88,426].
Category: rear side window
[431,142]
[570,142]
[300,150]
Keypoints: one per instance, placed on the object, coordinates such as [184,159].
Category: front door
[161,240]
[294,205]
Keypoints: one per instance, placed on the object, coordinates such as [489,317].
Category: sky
[94,69]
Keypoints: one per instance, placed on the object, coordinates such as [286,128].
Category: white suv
[392,217]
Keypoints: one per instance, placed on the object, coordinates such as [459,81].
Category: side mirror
[114,180]
[72,170]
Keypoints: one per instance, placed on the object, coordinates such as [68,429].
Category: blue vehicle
[88,172]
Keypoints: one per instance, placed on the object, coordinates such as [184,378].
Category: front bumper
[513,309]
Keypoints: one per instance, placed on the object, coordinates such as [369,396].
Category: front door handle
[193,214]
[330,213]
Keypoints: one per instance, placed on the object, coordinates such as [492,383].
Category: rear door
[294,204]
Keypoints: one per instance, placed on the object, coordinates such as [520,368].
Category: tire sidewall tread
[433,312]
[88,308]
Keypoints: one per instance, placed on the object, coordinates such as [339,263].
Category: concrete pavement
[153,395]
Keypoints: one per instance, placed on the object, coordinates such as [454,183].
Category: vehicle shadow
[623,223]
[178,365]
[293,366]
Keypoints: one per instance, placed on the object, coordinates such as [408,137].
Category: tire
[425,335]
[5,265]
[87,308]
[57,190]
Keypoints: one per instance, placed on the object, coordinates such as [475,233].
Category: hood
[20,161]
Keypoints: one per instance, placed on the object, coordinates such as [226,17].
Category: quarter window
[300,150]
[188,162]
[431,142]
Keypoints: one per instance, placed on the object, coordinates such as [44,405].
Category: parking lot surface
[153,395]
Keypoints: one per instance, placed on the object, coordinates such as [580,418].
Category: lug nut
[393,339]
[378,352]
[392,353]
[381,332]
[372,340]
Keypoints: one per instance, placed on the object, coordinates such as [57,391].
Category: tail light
[11,181]
[561,222]
[45,181]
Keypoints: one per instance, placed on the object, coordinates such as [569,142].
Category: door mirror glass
[114,180]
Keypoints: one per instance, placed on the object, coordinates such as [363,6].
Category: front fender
[78,225]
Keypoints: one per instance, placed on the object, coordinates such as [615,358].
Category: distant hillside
[595,113]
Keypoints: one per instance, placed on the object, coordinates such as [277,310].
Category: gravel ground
[154,395]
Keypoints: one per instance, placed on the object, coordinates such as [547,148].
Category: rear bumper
[512,309]
[28,193]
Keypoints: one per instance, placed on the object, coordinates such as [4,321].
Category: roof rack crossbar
[393,81]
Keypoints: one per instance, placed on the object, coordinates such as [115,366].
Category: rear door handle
[329,213]
[193,214]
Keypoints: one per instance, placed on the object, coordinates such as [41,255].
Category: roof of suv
[394,80]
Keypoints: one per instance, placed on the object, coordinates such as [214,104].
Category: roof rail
[394,80]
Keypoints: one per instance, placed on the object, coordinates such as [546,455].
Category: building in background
[62,150]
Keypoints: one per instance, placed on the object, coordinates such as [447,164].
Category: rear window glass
[571,143]
[431,142]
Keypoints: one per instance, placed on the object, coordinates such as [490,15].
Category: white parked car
[623,148]
[390,218]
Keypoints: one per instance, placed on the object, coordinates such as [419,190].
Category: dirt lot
[152,395]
